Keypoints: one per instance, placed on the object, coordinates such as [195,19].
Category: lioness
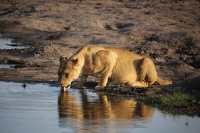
[117,64]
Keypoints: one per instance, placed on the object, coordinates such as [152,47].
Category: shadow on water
[42,108]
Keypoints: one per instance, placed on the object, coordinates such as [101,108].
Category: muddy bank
[167,31]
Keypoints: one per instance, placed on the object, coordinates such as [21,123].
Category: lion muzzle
[65,88]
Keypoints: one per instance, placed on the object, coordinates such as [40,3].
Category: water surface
[40,108]
[10,66]
[7,43]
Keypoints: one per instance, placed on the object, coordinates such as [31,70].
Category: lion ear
[74,61]
[63,58]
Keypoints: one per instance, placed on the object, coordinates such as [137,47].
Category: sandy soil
[166,30]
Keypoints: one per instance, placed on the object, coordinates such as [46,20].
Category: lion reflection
[80,107]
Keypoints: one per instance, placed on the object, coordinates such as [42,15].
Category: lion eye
[66,75]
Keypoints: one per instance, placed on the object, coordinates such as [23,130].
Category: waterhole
[41,108]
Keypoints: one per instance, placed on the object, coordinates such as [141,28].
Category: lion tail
[164,82]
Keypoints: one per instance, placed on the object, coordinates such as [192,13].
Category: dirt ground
[166,30]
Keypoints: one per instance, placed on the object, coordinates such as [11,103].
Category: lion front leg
[83,80]
[104,80]
[105,62]
[106,74]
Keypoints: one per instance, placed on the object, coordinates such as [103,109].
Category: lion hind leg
[148,71]
[143,70]
[138,84]
[164,82]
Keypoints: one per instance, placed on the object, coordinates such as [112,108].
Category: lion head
[69,70]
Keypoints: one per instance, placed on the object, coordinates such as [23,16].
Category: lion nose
[65,86]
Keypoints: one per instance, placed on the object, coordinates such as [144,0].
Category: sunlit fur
[119,65]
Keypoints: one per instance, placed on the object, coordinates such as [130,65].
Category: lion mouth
[65,88]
